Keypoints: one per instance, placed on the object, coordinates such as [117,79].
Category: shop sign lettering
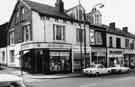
[115,52]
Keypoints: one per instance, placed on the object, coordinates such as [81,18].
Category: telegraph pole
[84,41]
[80,37]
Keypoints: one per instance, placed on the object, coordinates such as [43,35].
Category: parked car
[119,69]
[96,69]
[132,66]
[7,80]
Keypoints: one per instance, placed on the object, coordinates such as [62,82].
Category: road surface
[122,80]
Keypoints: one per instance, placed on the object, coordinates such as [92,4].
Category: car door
[103,70]
[100,69]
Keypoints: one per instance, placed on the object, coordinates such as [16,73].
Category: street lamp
[101,5]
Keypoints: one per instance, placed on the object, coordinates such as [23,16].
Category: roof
[4,26]
[118,31]
[74,7]
[46,9]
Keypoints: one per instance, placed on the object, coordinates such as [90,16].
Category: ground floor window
[129,60]
[116,60]
[59,62]
[98,59]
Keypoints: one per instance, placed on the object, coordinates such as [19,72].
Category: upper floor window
[132,45]
[22,13]
[110,42]
[58,32]
[22,10]
[92,38]
[27,32]
[12,56]
[79,35]
[126,43]
[11,37]
[3,56]
[98,38]
[118,43]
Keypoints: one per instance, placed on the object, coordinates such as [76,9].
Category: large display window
[60,62]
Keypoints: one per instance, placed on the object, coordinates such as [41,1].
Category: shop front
[60,61]
[80,59]
[99,56]
[115,57]
[129,58]
[46,60]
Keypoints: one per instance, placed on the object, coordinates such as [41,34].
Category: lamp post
[99,5]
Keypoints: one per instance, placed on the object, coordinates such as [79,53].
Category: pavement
[37,76]
[41,76]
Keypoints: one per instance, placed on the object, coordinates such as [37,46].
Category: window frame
[27,32]
[97,42]
[110,41]
[3,55]
[62,32]
[118,42]
[11,37]
[80,38]
[12,56]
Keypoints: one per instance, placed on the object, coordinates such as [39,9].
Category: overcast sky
[119,11]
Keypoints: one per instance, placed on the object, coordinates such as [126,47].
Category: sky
[119,11]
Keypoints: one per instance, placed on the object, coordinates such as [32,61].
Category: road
[122,80]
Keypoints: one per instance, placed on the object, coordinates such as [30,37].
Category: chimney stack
[59,5]
[125,29]
[112,25]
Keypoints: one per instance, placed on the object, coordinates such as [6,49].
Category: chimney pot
[125,29]
[112,25]
[59,5]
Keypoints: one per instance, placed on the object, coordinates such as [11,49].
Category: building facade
[3,44]
[117,44]
[44,39]
[98,46]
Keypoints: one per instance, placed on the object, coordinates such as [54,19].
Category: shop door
[39,64]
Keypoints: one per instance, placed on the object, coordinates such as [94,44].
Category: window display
[59,62]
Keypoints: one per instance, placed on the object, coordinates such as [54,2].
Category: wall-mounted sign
[115,52]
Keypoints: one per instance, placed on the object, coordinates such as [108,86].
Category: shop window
[58,32]
[12,56]
[27,32]
[118,43]
[11,37]
[79,35]
[59,62]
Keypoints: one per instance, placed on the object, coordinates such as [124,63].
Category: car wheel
[119,71]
